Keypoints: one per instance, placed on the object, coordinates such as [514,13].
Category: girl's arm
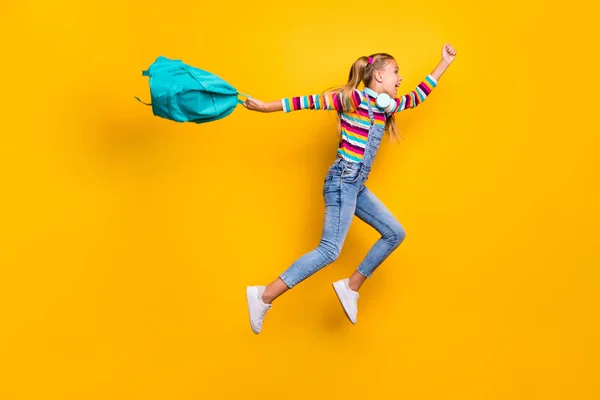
[257,105]
[417,96]
[448,54]
[329,101]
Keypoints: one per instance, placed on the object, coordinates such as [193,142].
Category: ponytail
[362,71]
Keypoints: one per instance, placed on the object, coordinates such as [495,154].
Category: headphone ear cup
[384,102]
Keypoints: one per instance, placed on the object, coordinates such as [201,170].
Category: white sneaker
[348,298]
[256,308]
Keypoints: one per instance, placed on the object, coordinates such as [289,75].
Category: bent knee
[331,253]
[397,235]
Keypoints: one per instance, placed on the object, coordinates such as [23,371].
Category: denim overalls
[346,195]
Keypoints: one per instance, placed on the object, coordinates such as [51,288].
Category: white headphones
[383,100]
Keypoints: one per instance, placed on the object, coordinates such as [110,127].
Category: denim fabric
[346,195]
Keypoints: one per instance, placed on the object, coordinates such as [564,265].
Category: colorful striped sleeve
[417,96]
[329,101]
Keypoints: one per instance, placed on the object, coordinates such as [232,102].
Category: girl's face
[391,78]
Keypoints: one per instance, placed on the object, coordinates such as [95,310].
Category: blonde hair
[362,71]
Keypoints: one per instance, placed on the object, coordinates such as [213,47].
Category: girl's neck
[377,88]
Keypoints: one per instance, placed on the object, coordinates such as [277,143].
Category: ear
[378,77]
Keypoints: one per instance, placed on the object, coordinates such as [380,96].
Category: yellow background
[127,240]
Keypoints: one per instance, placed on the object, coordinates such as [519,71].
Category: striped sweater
[355,124]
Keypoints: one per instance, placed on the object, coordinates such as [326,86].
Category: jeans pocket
[329,184]
[350,175]
[364,176]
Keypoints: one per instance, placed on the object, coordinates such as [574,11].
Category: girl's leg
[340,205]
[274,290]
[372,211]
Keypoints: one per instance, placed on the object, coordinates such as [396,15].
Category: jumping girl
[364,115]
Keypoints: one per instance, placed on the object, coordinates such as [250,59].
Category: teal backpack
[184,93]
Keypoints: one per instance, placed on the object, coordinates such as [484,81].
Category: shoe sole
[248,294]
[339,296]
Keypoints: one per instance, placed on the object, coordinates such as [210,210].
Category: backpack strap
[138,99]
[144,73]
[241,101]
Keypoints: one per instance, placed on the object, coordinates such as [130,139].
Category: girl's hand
[448,53]
[255,105]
